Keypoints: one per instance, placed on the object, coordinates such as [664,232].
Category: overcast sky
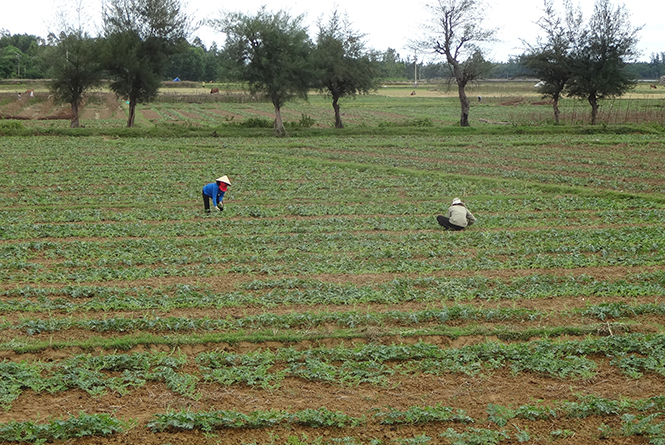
[386,24]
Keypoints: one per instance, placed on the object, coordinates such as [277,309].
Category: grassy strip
[346,253]
[314,418]
[24,345]
[15,128]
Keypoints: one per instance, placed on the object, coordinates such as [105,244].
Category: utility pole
[415,69]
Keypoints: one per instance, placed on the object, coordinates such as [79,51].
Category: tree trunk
[74,123]
[464,104]
[132,112]
[593,101]
[279,125]
[557,113]
[338,118]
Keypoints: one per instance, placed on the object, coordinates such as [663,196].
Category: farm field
[325,305]
[513,103]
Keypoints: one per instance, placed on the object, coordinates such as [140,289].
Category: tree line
[22,57]
[144,42]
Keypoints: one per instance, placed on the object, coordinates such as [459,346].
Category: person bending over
[215,191]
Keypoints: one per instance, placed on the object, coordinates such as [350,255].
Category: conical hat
[224,179]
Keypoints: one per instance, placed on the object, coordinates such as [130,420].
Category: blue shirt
[212,190]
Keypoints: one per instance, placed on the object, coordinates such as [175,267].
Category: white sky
[386,24]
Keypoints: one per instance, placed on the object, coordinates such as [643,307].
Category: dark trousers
[206,202]
[445,222]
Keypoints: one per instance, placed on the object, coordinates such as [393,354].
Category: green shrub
[11,127]
[257,122]
[304,122]
[420,123]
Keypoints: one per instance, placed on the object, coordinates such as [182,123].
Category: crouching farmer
[458,217]
[215,191]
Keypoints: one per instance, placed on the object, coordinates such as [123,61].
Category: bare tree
[457,33]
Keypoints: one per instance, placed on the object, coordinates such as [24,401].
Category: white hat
[224,179]
[457,201]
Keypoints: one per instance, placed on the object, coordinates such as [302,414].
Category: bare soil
[471,394]
[42,107]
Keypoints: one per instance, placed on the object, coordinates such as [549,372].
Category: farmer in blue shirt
[215,190]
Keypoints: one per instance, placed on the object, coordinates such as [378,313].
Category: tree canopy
[271,52]
[549,57]
[75,69]
[600,57]
[140,35]
[20,56]
[73,60]
[343,67]
[588,61]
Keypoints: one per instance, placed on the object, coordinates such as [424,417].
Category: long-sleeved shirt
[460,216]
[214,192]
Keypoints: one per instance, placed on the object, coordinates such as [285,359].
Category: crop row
[564,359]
[87,373]
[334,253]
[309,320]
[638,418]
[83,425]
[645,411]
[606,151]
[286,292]
[121,176]
[502,155]
[603,209]
[593,175]
[632,354]
[595,151]
[604,242]
[391,221]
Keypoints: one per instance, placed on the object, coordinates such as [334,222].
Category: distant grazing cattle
[539,84]
[653,86]
[413,93]
[30,93]
[214,90]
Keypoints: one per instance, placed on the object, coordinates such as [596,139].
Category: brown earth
[471,394]
[42,107]
[404,389]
